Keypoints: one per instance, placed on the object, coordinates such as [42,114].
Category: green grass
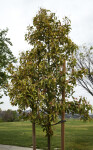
[78,135]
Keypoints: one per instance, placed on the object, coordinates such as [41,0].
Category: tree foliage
[79,106]
[6,57]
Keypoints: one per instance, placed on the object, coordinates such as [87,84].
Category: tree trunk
[63,132]
[63,112]
[48,142]
[33,136]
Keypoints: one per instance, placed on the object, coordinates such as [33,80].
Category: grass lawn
[78,135]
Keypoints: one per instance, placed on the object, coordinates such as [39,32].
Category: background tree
[85,60]
[6,57]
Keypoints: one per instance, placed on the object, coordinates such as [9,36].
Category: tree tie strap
[62,121]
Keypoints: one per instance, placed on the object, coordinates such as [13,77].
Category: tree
[57,77]
[84,60]
[50,36]
[45,77]
[6,57]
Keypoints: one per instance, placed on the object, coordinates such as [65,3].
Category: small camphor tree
[55,47]
[46,76]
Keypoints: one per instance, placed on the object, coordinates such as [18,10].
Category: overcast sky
[18,14]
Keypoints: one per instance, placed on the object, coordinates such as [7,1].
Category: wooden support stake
[63,112]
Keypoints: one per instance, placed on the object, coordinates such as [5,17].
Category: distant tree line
[9,116]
